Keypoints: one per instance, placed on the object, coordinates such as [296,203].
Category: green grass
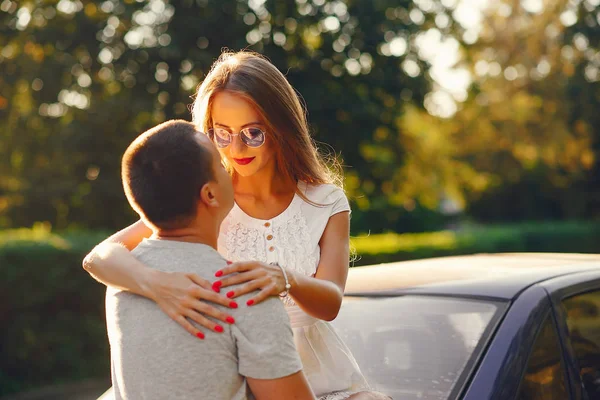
[562,237]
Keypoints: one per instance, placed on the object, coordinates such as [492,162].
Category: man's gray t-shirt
[153,357]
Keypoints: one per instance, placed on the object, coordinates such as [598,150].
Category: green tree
[541,107]
[524,142]
[79,80]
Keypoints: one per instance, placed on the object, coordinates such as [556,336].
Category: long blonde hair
[254,78]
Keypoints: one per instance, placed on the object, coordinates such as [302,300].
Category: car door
[576,306]
[525,360]
[511,357]
[545,376]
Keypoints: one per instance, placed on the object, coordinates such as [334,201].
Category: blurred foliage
[79,80]
[524,144]
[552,237]
[550,58]
[52,319]
[517,103]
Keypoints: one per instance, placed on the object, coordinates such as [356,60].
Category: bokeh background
[463,126]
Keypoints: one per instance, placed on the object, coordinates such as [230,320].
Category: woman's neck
[264,184]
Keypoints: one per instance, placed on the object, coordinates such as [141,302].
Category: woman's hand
[255,275]
[180,296]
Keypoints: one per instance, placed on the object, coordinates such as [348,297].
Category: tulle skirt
[327,362]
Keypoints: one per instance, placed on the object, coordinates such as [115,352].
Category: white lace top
[291,238]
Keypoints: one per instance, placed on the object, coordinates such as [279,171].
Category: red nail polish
[219,274]
[219,328]
[230,294]
[230,320]
[250,302]
[233,304]
[229,263]
[200,335]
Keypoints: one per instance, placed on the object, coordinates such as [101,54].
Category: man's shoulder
[265,341]
[270,304]
[269,310]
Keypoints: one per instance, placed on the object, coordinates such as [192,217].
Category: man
[174,179]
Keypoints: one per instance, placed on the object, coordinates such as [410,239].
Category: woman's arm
[177,294]
[131,236]
[111,263]
[319,296]
[322,295]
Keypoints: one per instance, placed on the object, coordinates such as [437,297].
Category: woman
[289,218]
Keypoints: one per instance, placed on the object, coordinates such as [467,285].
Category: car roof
[500,276]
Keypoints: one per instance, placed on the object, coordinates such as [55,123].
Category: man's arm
[266,352]
[292,387]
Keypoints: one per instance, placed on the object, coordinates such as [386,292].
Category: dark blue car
[484,327]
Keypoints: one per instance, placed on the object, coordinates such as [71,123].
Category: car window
[545,375]
[583,320]
[416,347]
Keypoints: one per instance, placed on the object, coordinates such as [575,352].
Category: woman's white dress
[292,240]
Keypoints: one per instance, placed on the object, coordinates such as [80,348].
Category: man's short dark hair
[163,171]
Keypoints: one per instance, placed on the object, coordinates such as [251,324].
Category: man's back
[154,358]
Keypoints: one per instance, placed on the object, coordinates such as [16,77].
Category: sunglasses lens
[222,137]
[253,137]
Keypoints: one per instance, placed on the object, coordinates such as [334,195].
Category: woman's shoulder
[326,197]
[323,193]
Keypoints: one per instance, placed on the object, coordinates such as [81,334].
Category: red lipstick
[243,161]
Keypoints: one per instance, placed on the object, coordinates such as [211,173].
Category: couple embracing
[243,242]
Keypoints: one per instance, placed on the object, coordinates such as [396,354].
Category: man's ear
[207,195]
